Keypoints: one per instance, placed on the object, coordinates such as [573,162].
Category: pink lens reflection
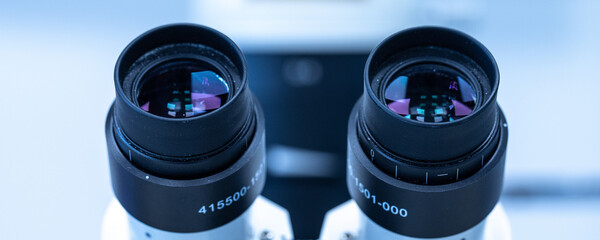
[400,106]
[203,102]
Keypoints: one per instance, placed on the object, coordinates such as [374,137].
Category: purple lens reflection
[430,93]
[182,89]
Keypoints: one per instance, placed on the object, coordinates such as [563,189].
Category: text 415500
[233,197]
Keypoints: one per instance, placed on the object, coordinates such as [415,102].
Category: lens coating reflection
[182,89]
[430,93]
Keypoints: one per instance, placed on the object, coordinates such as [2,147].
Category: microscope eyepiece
[185,135]
[427,140]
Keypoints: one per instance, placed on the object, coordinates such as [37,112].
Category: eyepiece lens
[430,93]
[182,89]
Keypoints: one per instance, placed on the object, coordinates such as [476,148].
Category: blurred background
[306,59]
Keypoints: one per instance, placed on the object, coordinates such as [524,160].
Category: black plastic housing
[433,211]
[446,176]
[422,140]
[184,139]
[165,170]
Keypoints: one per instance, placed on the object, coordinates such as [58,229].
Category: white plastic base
[263,220]
[348,222]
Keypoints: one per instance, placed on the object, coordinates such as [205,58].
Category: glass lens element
[182,89]
[430,93]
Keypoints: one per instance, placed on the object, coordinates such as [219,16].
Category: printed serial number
[393,209]
[227,201]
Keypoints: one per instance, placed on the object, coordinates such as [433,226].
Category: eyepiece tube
[145,68]
[426,73]
[185,135]
[427,140]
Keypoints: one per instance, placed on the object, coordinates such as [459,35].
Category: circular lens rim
[210,64]
[493,80]
[469,77]
[124,62]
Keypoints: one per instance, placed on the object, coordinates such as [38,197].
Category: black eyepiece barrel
[149,67]
[194,135]
[185,133]
[427,141]
[446,52]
